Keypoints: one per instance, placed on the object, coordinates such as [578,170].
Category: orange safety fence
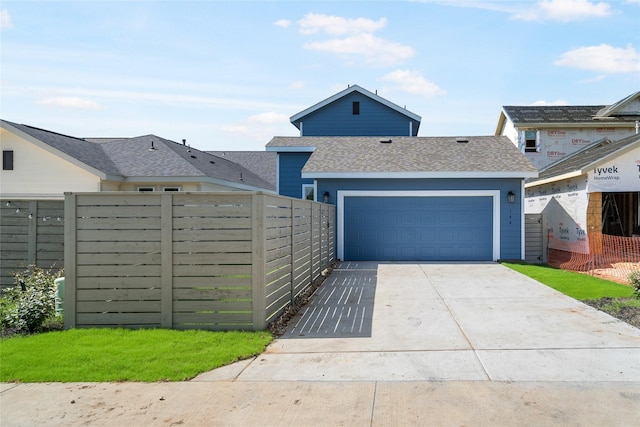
[611,257]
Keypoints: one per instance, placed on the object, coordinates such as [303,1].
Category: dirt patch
[279,326]
[625,309]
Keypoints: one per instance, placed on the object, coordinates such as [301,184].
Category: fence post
[166,255]
[32,241]
[292,251]
[70,240]
[258,262]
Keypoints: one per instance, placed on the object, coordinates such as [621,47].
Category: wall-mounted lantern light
[511,196]
[326,197]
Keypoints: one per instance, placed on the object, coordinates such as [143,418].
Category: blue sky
[228,75]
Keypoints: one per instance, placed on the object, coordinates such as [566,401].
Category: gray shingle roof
[588,157]
[491,154]
[88,153]
[262,163]
[552,114]
[133,157]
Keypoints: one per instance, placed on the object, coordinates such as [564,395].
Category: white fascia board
[413,175]
[494,194]
[556,178]
[35,141]
[289,149]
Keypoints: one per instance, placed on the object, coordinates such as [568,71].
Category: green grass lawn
[576,285]
[98,355]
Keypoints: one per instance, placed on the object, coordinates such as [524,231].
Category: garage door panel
[418,228]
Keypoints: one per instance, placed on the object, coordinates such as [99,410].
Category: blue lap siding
[289,179]
[337,119]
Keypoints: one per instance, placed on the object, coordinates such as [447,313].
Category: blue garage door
[418,228]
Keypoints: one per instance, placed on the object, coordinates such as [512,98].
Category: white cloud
[412,81]
[542,103]
[5,20]
[261,127]
[297,85]
[603,58]
[314,23]
[283,23]
[564,10]
[365,48]
[70,102]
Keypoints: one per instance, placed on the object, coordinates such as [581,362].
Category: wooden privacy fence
[214,261]
[31,233]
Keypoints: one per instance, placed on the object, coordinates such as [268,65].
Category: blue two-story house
[399,196]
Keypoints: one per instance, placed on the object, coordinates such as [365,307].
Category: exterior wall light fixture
[511,196]
[326,197]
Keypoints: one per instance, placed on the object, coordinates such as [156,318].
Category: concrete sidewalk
[447,344]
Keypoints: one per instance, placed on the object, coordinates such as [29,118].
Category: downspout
[411,128]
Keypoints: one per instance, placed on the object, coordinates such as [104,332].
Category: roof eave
[420,175]
[52,150]
[290,149]
[556,178]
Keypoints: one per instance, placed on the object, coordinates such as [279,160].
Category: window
[308,192]
[146,189]
[530,141]
[7,160]
[356,108]
[171,189]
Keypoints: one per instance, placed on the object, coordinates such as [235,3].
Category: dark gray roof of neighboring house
[88,153]
[492,154]
[262,163]
[552,114]
[587,158]
[134,157]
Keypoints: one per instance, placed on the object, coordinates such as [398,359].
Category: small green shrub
[31,301]
[634,279]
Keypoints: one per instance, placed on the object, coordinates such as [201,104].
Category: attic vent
[212,162]
[462,140]
[193,157]
[385,141]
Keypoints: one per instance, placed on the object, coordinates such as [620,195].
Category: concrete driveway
[442,322]
[392,344]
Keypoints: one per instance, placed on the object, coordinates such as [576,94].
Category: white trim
[409,175]
[554,179]
[350,89]
[495,194]
[305,186]
[290,149]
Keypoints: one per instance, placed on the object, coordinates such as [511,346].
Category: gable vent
[385,141]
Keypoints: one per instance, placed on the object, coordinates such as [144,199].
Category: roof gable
[580,162]
[88,155]
[297,118]
[629,106]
